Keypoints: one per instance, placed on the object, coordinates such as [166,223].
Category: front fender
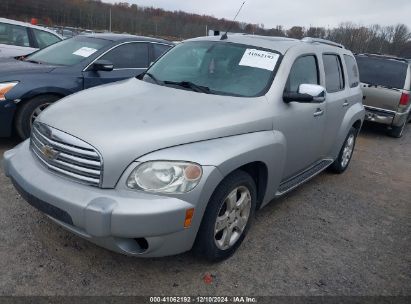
[230,153]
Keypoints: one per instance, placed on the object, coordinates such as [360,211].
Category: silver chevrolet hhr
[183,157]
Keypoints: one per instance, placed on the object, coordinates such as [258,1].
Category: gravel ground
[336,235]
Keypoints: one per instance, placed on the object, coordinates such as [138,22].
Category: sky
[326,13]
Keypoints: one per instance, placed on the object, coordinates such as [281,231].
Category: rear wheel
[346,152]
[227,217]
[29,111]
[397,132]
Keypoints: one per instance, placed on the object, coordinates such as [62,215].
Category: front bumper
[386,117]
[7,109]
[122,220]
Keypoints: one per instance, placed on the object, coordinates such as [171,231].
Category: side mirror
[103,65]
[307,93]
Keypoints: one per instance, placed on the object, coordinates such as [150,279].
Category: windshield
[68,52]
[385,72]
[216,67]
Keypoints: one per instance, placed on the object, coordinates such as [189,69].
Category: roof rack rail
[384,56]
[323,41]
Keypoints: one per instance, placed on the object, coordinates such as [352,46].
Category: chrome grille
[66,154]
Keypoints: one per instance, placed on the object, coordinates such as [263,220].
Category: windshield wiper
[190,85]
[152,77]
[33,61]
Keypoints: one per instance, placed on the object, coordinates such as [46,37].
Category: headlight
[165,176]
[5,87]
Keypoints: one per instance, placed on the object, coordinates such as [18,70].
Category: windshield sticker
[85,52]
[259,59]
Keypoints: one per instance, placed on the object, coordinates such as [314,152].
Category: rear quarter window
[381,71]
[334,77]
[352,71]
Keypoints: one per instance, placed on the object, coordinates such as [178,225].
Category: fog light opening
[142,243]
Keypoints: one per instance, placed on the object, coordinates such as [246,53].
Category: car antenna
[225,36]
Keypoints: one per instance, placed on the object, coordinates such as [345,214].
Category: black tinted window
[129,55]
[385,72]
[352,70]
[334,79]
[303,71]
[160,49]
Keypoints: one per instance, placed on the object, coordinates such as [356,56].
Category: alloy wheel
[232,218]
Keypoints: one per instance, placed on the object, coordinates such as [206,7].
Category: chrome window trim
[116,46]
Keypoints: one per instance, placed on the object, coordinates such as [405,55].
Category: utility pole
[110,22]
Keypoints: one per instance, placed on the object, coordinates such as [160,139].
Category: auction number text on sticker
[259,59]
[85,52]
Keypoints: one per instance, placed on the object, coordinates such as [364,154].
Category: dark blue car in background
[28,85]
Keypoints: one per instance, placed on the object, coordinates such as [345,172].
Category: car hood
[128,119]
[10,67]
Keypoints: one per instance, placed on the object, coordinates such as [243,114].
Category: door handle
[346,104]
[318,112]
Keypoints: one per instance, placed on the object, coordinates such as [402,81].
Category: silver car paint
[152,122]
[7,50]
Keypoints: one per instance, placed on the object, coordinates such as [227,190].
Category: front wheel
[29,111]
[346,152]
[227,217]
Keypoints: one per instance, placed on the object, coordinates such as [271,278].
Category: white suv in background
[21,38]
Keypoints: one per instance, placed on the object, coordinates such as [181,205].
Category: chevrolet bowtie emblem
[49,152]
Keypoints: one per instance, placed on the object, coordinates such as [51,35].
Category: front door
[129,60]
[302,123]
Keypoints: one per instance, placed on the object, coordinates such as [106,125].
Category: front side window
[303,71]
[221,68]
[14,35]
[69,52]
[45,39]
[352,70]
[334,77]
[129,55]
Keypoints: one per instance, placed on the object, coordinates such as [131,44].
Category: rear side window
[160,49]
[334,77]
[14,35]
[128,56]
[352,70]
[380,71]
[45,39]
[303,71]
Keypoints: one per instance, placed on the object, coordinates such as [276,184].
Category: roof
[125,37]
[381,56]
[26,24]
[279,44]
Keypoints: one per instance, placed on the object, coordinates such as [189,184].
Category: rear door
[382,81]
[337,101]
[157,50]
[14,40]
[129,59]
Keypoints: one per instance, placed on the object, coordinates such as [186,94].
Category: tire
[210,244]
[346,152]
[29,110]
[397,132]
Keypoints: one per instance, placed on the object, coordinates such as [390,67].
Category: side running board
[302,177]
